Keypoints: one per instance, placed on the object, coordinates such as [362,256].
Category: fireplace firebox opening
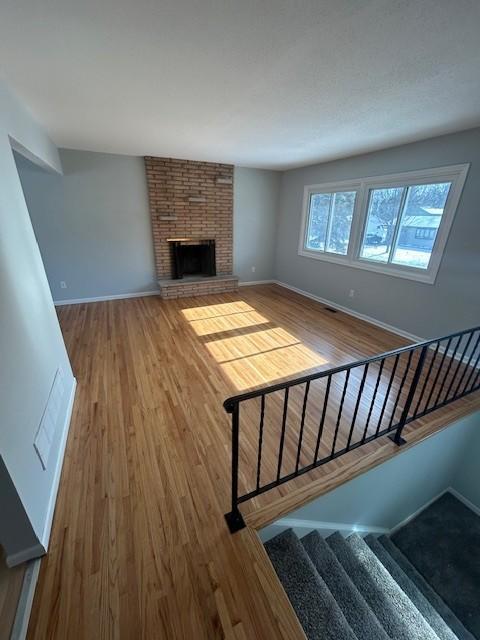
[192,257]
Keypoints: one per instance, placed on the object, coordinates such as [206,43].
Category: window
[329,221]
[393,218]
[392,224]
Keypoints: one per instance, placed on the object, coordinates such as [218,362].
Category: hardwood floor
[139,546]
[11,581]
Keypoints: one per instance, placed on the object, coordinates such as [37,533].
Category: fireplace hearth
[192,257]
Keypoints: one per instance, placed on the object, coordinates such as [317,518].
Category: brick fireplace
[191,205]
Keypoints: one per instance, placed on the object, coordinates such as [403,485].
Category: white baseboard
[351,312]
[254,282]
[417,512]
[119,296]
[464,500]
[25,555]
[24,607]
[302,527]
[58,468]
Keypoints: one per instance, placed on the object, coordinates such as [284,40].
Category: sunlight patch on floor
[229,322]
[263,356]
[215,310]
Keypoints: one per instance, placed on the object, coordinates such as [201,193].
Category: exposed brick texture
[185,289]
[172,184]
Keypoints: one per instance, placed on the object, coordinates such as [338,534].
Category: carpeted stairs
[367,589]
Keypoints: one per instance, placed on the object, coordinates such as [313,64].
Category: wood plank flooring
[139,547]
[11,581]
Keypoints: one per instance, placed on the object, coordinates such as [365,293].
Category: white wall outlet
[351,293]
[253,269]
[63,284]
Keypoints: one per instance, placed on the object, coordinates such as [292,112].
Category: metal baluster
[337,426]
[400,388]
[465,379]
[322,420]
[476,380]
[467,366]
[397,436]
[476,363]
[354,419]
[395,365]
[234,518]
[302,424]
[260,439]
[372,404]
[438,374]
[282,438]
[448,369]
[458,366]
[427,378]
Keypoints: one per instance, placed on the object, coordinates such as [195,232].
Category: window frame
[306,221]
[456,174]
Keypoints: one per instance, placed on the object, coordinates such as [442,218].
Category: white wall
[388,494]
[31,343]
[467,478]
[255,205]
[92,224]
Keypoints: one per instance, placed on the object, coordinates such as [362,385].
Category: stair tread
[428,592]
[395,611]
[359,615]
[430,614]
[316,608]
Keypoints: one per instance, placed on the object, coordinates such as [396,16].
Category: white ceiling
[263,83]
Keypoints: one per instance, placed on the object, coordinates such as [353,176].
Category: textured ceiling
[264,83]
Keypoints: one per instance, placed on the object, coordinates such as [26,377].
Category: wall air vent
[48,425]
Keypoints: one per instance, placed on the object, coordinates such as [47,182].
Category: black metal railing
[303,423]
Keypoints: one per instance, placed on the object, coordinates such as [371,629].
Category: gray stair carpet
[416,596]
[432,596]
[317,611]
[395,611]
[357,612]
[443,543]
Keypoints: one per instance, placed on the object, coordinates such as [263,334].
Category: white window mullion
[331,208]
[396,231]
[358,224]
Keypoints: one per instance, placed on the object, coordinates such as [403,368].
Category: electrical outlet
[351,293]
[253,269]
[63,284]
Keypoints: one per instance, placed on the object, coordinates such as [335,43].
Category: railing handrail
[230,402]
[394,428]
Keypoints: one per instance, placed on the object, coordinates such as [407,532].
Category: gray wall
[31,343]
[92,224]
[467,479]
[255,205]
[453,302]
